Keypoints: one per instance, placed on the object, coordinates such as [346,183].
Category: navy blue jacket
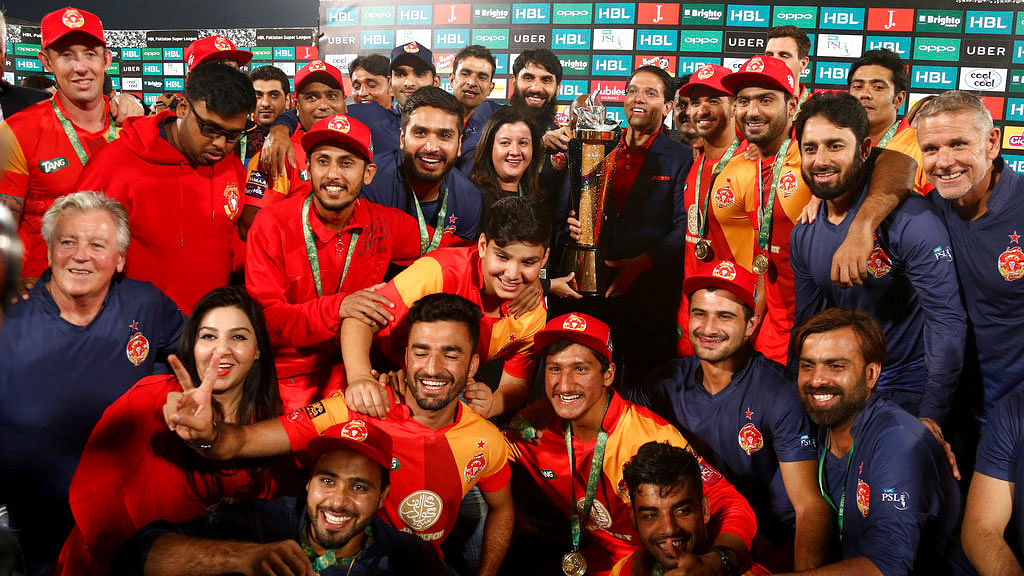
[385,125]
[471,134]
[999,454]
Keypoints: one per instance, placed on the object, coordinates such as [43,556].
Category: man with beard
[911,288]
[307,291]
[883,473]
[472,81]
[335,532]
[420,179]
[272,88]
[441,447]
[742,411]
[538,74]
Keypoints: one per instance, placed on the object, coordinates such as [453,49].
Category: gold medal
[760,264]
[573,564]
[702,250]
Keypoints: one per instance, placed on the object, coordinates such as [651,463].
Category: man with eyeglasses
[182,186]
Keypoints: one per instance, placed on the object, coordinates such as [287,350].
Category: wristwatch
[728,558]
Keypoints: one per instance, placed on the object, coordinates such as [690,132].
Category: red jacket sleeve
[730,511]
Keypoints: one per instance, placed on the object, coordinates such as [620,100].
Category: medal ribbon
[579,520]
[803,98]
[703,214]
[329,558]
[888,135]
[428,243]
[841,510]
[767,209]
[314,261]
[69,131]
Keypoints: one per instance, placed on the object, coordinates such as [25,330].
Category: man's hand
[479,397]
[628,270]
[575,226]
[26,285]
[557,140]
[810,212]
[277,153]
[560,287]
[752,152]
[367,306]
[189,413]
[527,299]
[936,431]
[284,558]
[124,106]
[850,262]
[367,395]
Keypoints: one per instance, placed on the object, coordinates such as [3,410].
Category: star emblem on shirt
[860,470]
[134,325]
[750,413]
[1014,238]
[481,443]
[511,337]
[452,219]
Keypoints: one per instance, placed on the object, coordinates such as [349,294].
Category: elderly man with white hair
[84,336]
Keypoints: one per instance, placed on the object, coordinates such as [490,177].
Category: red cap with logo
[762,70]
[214,48]
[724,274]
[60,23]
[347,132]
[709,75]
[318,71]
[358,435]
[580,328]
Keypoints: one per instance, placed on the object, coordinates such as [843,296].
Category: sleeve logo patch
[52,165]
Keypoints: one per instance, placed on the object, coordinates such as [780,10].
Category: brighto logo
[705,13]
[501,13]
[574,64]
[944,21]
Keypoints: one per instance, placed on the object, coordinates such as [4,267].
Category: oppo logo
[572,13]
[793,16]
[698,40]
[490,38]
[937,49]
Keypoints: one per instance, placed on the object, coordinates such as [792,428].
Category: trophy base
[588,280]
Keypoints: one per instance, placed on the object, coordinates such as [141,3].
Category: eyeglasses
[211,130]
[647,92]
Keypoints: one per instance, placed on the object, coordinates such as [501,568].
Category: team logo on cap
[787,184]
[231,198]
[705,72]
[222,43]
[473,467]
[412,48]
[725,270]
[339,124]
[1011,264]
[863,497]
[724,196]
[755,65]
[750,438]
[575,323]
[599,515]
[73,18]
[138,347]
[317,66]
[354,430]
[420,510]
[878,262]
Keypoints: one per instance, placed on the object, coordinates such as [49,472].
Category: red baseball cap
[60,23]
[358,435]
[318,71]
[214,48]
[580,328]
[349,133]
[762,70]
[724,274]
[709,75]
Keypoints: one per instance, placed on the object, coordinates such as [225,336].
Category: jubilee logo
[615,13]
[897,44]
[933,77]
[609,90]
[573,14]
[942,49]
[989,22]
[573,65]
[339,16]
[664,40]
[703,15]
[661,14]
[496,14]
[983,79]
[700,41]
[842,18]
[799,16]
[891,19]
[378,16]
[570,39]
[939,21]
[612,64]
[491,38]
[750,16]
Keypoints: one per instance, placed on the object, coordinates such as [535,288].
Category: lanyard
[242,143]
[596,465]
[766,209]
[69,131]
[329,558]
[803,98]
[428,243]
[888,135]
[703,213]
[841,510]
[314,261]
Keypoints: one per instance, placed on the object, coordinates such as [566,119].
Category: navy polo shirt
[1000,450]
[56,379]
[389,188]
[471,135]
[902,502]
[990,264]
[911,289]
[745,429]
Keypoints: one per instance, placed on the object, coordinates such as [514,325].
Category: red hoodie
[181,216]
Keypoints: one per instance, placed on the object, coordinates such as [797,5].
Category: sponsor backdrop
[151,62]
[977,46]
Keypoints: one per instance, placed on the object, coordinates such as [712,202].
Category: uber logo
[831,72]
[751,16]
[799,16]
[612,65]
[700,41]
[377,39]
[983,49]
[338,16]
[570,89]
[933,77]
[451,38]
[983,79]
[131,68]
[897,44]
[491,38]
[344,40]
[613,39]
[664,40]
[615,13]
[529,39]
[570,39]
[415,14]
[531,13]
[839,45]
[944,49]
[989,22]
[744,42]
[842,18]
[690,64]
[703,15]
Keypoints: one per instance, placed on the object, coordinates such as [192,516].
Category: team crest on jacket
[354,430]
[138,347]
[787,184]
[231,200]
[1011,263]
[878,262]
[863,497]
[473,467]
[724,196]
[317,66]
[72,18]
[750,438]
[558,161]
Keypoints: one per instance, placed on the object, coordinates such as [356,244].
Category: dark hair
[376,64]
[667,82]
[870,336]
[518,219]
[475,51]
[680,82]
[803,43]
[108,84]
[886,59]
[562,343]
[664,466]
[260,399]
[444,307]
[225,90]
[484,175]
[269,72]
[42,82]
[839,108]
[432,97]
[542,57]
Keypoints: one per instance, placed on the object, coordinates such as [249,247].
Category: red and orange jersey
[905,142]
[457,271]
[260,192]
[431,470]
[539,446]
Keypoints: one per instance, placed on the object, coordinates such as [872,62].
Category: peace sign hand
[189,413]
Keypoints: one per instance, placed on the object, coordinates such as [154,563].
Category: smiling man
[412,68]
[472,81]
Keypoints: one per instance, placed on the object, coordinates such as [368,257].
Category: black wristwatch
[728,558]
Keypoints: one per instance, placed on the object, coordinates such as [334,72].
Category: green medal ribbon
[69,131]
[767,209]
[329,558]
[841,510]
[242,143]
[314,261]
[703,214]
[803,98]
[888,135]
[428,243]
[579,520]
[657,569]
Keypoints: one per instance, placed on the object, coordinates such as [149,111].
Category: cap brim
[313,139]
[545,337]
[699,282]
[80,31]
[412,60]
[319,76]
